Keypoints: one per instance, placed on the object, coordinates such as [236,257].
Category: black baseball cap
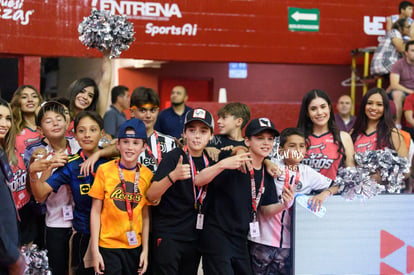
[200,114]
[258,125]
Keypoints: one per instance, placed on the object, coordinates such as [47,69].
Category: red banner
[214,30]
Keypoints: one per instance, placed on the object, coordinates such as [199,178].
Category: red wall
[133,78]
[29,71]
[227,30]
[264,83]
[270,90]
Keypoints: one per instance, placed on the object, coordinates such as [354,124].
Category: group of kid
[224,199]
[240,222]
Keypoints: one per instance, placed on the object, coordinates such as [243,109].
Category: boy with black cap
[234,199]
[118,194]
[270,252]
[175,223]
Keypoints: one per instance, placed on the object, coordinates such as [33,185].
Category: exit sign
[306,20]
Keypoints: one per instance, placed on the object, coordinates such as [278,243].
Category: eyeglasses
[153,110]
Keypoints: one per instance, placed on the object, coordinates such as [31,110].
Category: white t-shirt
[275,230]
[56,201]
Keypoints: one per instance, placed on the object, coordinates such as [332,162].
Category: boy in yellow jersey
[119,215]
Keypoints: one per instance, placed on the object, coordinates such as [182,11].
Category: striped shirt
[151,157]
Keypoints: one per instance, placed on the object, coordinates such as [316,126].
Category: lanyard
[256,197]
[159,157]
[68,149]
[202,192]
[127,202]
[82,154]
[287,177]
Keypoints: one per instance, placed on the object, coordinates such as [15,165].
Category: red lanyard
[127,202]
[159,157]
[287,177]
[82,154]
[68,149]
[256,197]
[202,192]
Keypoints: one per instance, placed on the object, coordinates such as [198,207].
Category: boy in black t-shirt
[232,119]
[175,225]
[234,199]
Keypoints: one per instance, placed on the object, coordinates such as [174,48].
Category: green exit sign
[306,20]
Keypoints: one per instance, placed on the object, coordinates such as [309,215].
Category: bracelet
[168,176]
[330,192]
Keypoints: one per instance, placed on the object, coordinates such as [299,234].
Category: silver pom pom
[104,31]
[390,166]
[37,262]
[355,183]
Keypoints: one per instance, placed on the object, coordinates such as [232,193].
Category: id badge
[67,212]
[132,238]
[200,221]
[254,230]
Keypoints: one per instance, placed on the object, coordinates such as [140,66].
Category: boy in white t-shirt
[54,146]
[270,252]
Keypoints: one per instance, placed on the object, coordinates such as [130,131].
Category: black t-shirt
[9,233]
[175,217]
[230,201]
[220,141]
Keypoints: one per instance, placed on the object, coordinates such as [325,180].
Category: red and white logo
[390,244]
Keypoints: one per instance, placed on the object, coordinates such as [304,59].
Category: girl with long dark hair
[374,127]
[329,148]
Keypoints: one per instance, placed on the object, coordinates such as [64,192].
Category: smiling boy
[175,244]
[232,118]
[270,251]
[234,201]
[118,194]
[145,106]
[88,127]
[51,122]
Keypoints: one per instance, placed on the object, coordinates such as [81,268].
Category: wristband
[168,176]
